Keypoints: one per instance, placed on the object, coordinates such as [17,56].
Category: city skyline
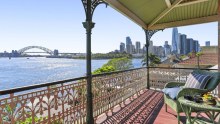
[58,25]
[181,45]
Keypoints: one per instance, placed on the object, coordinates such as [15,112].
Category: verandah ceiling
[160,14]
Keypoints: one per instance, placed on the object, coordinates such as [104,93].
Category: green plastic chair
[175,105]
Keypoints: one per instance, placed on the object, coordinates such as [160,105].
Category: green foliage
[120,63]
[153,59]
[104,69]
[9,111]
[115,64]
[29,120]
[110,55]
[199,53]
[182,57]
[190,54]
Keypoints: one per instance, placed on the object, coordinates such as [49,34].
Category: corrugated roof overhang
[160,14]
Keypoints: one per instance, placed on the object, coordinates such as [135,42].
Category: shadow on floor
[142,110]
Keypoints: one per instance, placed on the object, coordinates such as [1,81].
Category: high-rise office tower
[178,43]
[167,49]
[133,49]
[191,45]
[199,48]
[187,46]
[128,41]
[207,43]
[196,45]
[138,47]
[181,39]
[175,38]
[150,49]
[182,42]
[122,47]
[129,48]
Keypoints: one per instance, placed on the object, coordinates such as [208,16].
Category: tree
[182,57]
[116,64]
[153,59]
[198,54]
[120,63]
[104,69]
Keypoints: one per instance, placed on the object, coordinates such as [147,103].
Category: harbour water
[18,72]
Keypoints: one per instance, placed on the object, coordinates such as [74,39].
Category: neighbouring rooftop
[204,59]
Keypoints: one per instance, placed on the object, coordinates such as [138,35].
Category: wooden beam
[165,12]
[125,11]
[168,3]
[191,2]
[185,22]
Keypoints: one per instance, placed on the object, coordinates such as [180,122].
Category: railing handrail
[184,68]
[116,72]
[35,86]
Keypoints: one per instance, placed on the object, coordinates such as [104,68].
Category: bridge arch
[21,51]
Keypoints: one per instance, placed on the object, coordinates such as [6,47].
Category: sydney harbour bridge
[43,51]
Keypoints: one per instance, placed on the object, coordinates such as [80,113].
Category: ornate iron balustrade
[65,101]
[61,102]
[114,89]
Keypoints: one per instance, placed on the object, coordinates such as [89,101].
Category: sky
[57,24]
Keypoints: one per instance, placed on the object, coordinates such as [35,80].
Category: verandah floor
[148,108]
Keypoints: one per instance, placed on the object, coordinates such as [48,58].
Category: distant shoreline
[63,57]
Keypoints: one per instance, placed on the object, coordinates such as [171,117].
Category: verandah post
[147,59]
[148,34]
[89,6]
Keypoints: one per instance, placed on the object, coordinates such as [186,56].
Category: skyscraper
[207,43]
[182,42]
[196,45]
[150,48]
[191,45]
[167,49]
[122,47]
[178,43]
[175,38]
[129,47]
[187,46]
[138,47]
[128,40]
[133,49]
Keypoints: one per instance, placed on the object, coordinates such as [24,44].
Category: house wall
[209,49]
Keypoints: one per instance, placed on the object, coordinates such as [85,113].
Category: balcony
[118,97]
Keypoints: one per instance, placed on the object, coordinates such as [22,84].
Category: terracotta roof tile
[204,59]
